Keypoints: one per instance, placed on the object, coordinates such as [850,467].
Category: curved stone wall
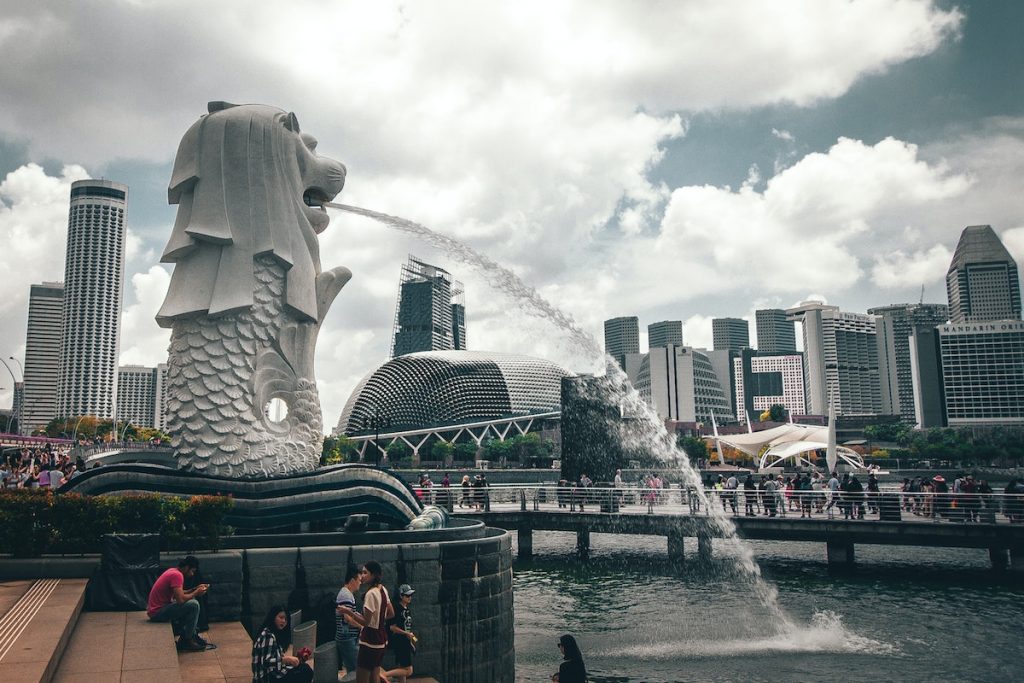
[462,610]
[330,494]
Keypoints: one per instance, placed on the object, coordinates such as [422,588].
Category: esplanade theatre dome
[435,388]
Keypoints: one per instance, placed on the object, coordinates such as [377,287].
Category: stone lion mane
[237,181]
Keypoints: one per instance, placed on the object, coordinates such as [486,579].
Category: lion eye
[309,141]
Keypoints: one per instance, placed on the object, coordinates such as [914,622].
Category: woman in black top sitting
[572,669]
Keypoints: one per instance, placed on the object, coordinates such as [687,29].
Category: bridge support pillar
[1017,558]
[840,554]
[583,543]
[525,544]
[676,552]
[704,548]
[998,556]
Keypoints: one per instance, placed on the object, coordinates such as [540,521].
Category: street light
[15,405]
[74,436]
[375,422]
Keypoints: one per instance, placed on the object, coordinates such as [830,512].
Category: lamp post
[74,435]
[375,422]
[15,404]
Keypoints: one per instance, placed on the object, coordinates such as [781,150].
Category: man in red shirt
[168,601]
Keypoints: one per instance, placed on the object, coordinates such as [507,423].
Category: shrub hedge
[33,522]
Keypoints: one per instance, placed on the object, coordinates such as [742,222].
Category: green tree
[398,452]
[441,451]
[694,448]
[465,451]
[778,413]
[496,450]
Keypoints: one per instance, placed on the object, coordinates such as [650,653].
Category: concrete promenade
[675,521]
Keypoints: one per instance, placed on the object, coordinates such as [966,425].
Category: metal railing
[888,504]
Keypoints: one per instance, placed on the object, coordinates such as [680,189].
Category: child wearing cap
[402,641]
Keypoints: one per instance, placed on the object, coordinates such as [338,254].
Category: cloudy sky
[671,160]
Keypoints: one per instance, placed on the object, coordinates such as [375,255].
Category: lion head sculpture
[247,183]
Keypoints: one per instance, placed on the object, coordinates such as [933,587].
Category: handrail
[888,503]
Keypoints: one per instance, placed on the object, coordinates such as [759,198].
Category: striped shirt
[344,631]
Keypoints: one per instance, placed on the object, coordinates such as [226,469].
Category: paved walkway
[119,647]
[231,662]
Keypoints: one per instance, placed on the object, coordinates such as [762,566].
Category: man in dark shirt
[401,639]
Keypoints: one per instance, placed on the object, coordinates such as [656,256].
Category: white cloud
[697,331]
[783,135]
[1013,239]
[899,269]
[143,342]
[33,229]
[809,227]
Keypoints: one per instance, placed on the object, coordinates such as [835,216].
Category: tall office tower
[982,366]
[42,355]
[665,333]
[139,395]
[775,333]
[840,359]
[93,291]
[730,334]
[622,337]
[680,384]
[431,310]
[762,380]
[926,371]
[982,281]
[894,326]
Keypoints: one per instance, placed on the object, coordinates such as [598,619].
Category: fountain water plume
[497,276]
[654,437]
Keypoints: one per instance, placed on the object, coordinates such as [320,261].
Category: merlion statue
[247,296]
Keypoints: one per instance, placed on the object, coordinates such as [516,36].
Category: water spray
[654,437]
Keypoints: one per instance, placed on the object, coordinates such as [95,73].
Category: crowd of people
[46,466]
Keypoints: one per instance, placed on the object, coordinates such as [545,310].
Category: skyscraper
[622,337]
[665,333]
[982,280]
[730,334]
[42,355]
[431,311]
[93,291]
[762,380]
[679,383]
[775,333]
[893,326]
[840,359]
[983,372]
[140,395]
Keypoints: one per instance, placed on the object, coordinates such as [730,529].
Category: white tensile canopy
[774,446]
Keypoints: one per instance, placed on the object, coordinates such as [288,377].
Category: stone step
[231,662]
[119,647]
[37,623]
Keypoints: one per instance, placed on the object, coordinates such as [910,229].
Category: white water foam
[826,634]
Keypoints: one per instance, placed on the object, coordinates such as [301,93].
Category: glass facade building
[431,311]
[983,372]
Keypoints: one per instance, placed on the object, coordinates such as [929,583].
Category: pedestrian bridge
[937,522]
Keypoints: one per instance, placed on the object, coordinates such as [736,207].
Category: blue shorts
[348,652]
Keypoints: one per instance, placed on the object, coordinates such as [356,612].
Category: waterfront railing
[887,504]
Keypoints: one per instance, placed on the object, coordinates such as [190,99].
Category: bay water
[902,614]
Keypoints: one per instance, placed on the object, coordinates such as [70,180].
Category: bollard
[304,635]
[325,663]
